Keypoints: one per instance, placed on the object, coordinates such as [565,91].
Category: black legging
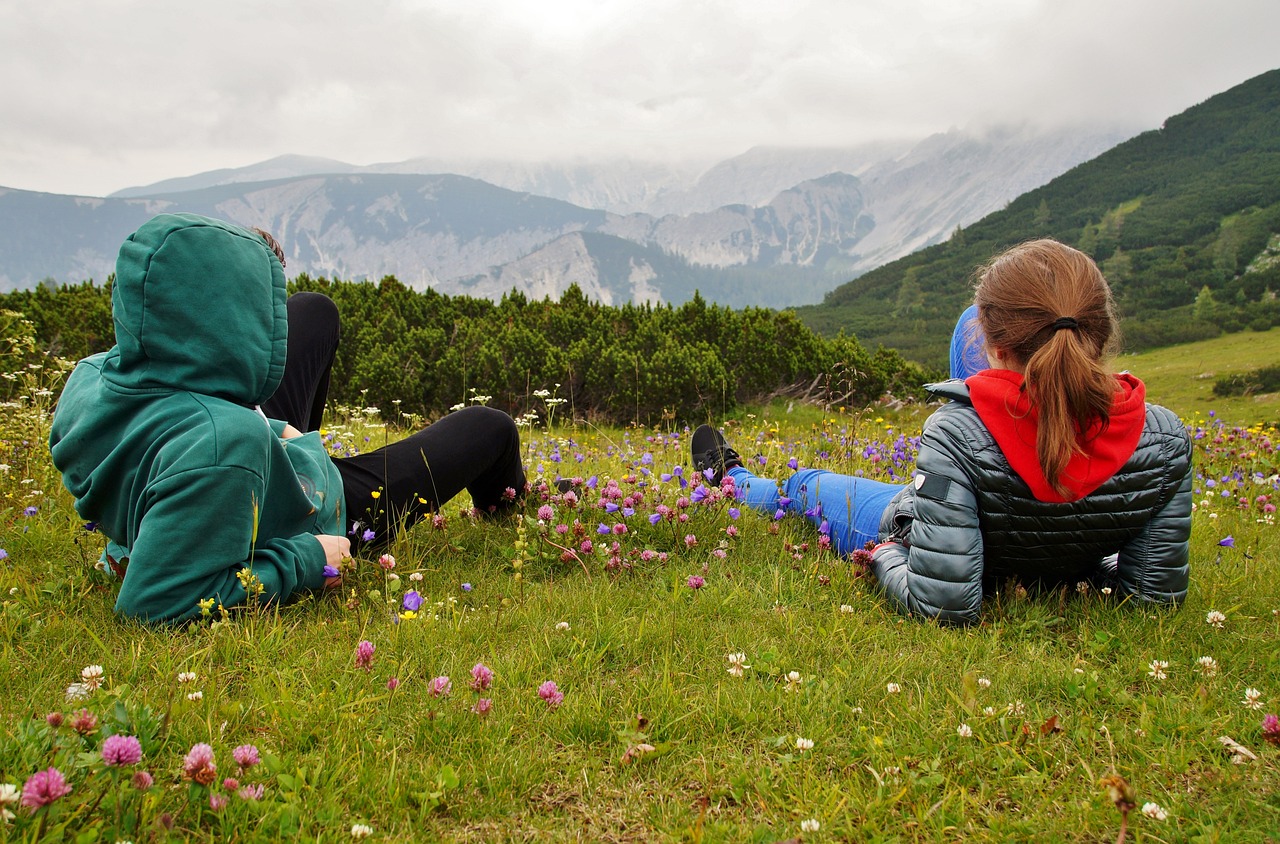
[476,449]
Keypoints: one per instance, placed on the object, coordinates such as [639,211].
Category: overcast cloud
[103,94]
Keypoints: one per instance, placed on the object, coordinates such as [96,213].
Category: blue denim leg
[850,506]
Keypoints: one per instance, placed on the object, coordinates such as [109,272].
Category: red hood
[1002,405]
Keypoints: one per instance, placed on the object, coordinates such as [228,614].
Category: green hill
[1184,220]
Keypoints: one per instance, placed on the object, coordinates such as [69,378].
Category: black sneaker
[711,451]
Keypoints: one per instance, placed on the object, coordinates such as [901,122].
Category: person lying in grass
[193,443]
[1044,466]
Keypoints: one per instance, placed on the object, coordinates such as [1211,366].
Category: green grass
[643,662]
[1182,377]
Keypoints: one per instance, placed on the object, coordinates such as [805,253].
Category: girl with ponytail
[1043,467]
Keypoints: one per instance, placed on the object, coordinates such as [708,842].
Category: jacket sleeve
[937,573]
[197,533]
[1155,565]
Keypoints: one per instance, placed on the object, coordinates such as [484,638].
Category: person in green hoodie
[167,440]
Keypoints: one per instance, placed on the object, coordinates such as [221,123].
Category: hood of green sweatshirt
[199,305]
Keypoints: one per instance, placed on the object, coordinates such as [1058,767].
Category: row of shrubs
[1264,380]
[424,352]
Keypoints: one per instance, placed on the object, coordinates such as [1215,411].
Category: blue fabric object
[851,506]
[968,347]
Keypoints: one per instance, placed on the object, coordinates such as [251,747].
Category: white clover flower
[1016,708]
[562,626]
[737,664]
[803,744]
[77,691]
[185,677]
[964,731]
[1208,666]
[1158,669]
[360,830]
[1153,811]
[810,825]
[846,608]
[1215,619]
[196,695]
[1106,590]
[892,688]
[416,577]
[988,710]
[984,683]
[1082,587]
[1252,699]
[10,794]
[794,681]
[91,675]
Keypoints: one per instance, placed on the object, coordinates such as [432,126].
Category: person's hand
[337,549]
[289,432]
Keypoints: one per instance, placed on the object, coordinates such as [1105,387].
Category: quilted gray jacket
[968,518]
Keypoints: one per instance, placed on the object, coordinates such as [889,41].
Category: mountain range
[770,227]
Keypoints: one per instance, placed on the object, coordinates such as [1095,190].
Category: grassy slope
[1181,377]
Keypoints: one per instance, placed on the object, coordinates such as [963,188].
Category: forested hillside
[1184,221]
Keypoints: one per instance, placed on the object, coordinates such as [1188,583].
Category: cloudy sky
[103,94]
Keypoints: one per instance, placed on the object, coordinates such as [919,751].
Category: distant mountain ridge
[1184,221]
[818,224]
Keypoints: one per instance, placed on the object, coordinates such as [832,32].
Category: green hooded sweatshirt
[160,440]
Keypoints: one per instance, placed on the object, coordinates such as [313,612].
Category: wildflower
[195,696]
[77,691]
[359,830]
[91,676]
[4,555]
[440,686]
[368,535]
[9,796]
[546,513]
[54,719]
[803,744]
[984,683]
[1271,729]
[387,561]
[846,608]
[481,677]
[892,688]
[1016,708]
[737,664]
[30,511]
[231,783]
[695,582]
[416,577]
[330,571]
[142,780]
[1215,619]
[186,676]
[810,825]
[251,792]
[393,684]
[988,711]
[466,587]
[412,601]
[1208,666]
[1158,668]
[121,750]
[199,766]
[550,693]
[1153,811]
[794,681]
[1252,699]
[964,731]
[482,707]
[1227,542]
[562,626]
[84,722]
[218,802]
[246,756]
[44,787]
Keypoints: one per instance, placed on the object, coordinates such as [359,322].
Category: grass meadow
[1062,717]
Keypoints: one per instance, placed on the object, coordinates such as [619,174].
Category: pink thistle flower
[440,686]
[44,787]
[198,765]
[218,802]
[142,780]
[482,707]
[246,756]
[550,693]
[695,582]
[364,654]
[481,677]
[251,792]
[121,750]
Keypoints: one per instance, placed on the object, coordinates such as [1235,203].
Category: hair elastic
[1064,322]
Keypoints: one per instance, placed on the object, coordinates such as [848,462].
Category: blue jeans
[846,507]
